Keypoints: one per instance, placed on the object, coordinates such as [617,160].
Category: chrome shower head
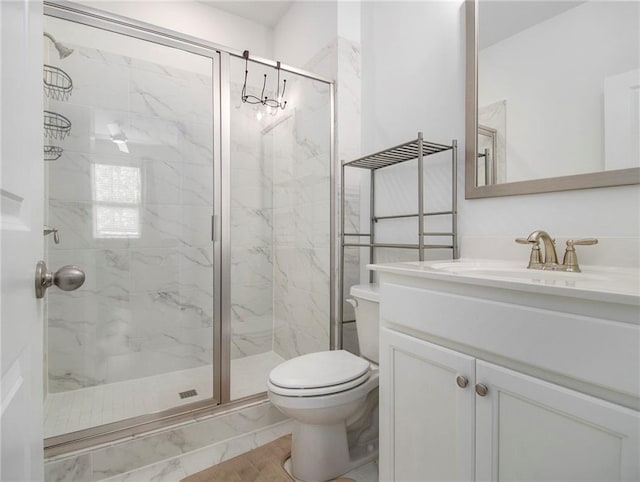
[63,50]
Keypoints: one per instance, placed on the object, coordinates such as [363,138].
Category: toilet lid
[318,370]
[315,392]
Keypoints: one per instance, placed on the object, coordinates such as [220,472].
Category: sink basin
[497,269]
[594,282]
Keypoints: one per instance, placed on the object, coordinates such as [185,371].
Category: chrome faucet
[570,260]
[550,255]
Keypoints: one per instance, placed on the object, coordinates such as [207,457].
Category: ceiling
[498,19]
[266,12]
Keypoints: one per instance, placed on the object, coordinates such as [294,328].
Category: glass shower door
[129,159]
[280,214]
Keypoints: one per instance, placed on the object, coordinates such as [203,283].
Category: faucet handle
[570,260]
[581,242]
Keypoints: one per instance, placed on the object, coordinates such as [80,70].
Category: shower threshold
[66,412]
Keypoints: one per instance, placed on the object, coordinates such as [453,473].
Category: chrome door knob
[67,278]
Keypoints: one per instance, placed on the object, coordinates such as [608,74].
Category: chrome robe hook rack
[276,103]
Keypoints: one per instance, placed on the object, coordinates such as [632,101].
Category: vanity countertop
[597,283]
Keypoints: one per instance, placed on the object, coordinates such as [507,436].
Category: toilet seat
[314,392]
[321,373]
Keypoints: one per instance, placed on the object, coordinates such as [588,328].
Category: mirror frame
[619,177]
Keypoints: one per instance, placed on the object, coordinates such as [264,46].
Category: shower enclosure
[203,224]
[280,225]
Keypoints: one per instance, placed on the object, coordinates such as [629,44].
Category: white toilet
[332,398]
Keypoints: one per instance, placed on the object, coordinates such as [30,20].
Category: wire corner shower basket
[56,126]
[52,153]
[57,83]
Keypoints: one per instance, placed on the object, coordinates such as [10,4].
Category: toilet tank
[367,302]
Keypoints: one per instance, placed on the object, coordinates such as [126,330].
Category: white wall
[412,72]
[305,29]
[413,78]
[196,19]
[552,78]
[348,26]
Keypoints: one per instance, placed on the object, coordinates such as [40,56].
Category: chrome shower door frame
[220,56]
[143,423]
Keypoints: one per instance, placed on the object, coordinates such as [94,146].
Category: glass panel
[132,197]
[280,224]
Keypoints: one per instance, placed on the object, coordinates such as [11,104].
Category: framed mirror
[552,96]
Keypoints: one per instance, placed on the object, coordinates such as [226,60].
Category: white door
[21,242]
[529,429]
[426,411]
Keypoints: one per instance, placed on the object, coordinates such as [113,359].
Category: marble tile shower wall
[302,220]
[251,225]
[280,219]
[349,99]
[137,223]
[340,59]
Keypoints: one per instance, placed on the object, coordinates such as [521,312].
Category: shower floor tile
[249,374]
[74,410]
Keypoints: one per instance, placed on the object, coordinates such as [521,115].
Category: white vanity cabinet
[426,420]
[435,427]
[482,383]
[529,429]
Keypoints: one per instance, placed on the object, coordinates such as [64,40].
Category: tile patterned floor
[88,407]
[265,464]
[364,473]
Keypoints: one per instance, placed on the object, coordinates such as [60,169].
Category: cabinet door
[528,429]
[426,419]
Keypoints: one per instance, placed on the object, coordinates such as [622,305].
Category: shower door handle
[67,278]
[214,228]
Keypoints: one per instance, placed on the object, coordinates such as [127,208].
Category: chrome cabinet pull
[481,389]
[67,278]
[462,381]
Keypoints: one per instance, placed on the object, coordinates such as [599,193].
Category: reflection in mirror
[562,79]
[557,94]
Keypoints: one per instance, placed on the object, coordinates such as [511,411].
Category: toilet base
[314,461]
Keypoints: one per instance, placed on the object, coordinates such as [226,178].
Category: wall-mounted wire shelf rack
[57,83]
[56,126]
[414,149]
[52,153]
